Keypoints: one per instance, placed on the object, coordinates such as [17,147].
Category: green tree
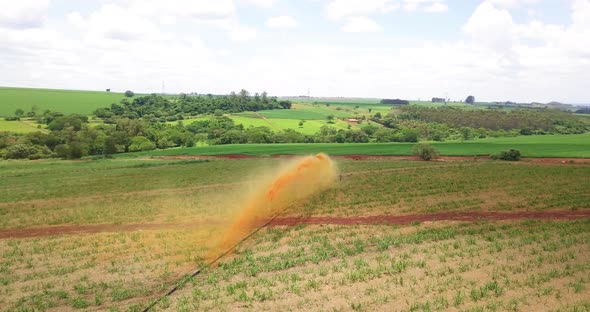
[330,119]
[19,112]
[19,151]
[129,94]
[70,121]
[141,143]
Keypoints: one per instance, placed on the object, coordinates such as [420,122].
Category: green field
[63,101]
[529,146]
[22,126]
[310,126]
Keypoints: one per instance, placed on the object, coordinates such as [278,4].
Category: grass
[368,266]
[529,146]
[64,101]
[309,126]
[301,112]
[22,126]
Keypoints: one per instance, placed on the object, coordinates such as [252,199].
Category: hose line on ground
[183,281]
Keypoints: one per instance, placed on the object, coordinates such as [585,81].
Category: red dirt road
[369,157]
[292,221]
[446,216]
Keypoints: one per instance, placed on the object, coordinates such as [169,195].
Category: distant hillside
[64,101]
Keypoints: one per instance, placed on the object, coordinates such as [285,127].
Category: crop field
[117,234]
[530,146]
[521,266]
[63,101]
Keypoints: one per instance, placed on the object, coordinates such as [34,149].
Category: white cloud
[243,34]
[76,19]
[425,5]
[199,9]
[262,3]
[112,22]
[23,14]
[281,22]
[509,4]
[491,26]
[360,25]
[436,7]
[339,9]
[342,9]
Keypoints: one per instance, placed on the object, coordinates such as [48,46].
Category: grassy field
[529,146]
[310,126]
[64,101]
[187,203]
[22,126]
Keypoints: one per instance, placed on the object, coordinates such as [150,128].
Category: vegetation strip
[212,262]
[445,216]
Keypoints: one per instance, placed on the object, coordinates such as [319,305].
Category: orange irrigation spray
[296,181]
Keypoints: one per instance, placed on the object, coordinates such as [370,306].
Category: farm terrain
[117,234]
[530,146]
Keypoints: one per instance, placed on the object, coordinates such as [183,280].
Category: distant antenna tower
[308,95]
[163,87]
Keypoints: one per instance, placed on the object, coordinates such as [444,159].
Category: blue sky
[518,50]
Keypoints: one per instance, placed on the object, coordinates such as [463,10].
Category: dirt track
[292,221]
[448,216]
[561,160]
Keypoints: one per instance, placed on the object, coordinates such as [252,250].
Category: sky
[496,50]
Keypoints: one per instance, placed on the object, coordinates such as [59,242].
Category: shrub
[140,143]
[19,151]
[425,151]
[509,155]
[72,150]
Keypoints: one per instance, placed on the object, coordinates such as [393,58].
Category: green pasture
[276,124]
[529,146]
[64,101]
[22,126]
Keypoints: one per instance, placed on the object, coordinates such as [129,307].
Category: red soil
[443,216]
[292,221]
[390,157]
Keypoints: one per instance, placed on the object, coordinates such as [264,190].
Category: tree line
[72,137]
[159,108]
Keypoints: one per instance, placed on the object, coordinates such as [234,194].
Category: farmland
[21,126]
[116,232]
[530,146]
[64,101]
[119,233]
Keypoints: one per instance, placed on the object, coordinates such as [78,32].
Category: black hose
[198,271]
